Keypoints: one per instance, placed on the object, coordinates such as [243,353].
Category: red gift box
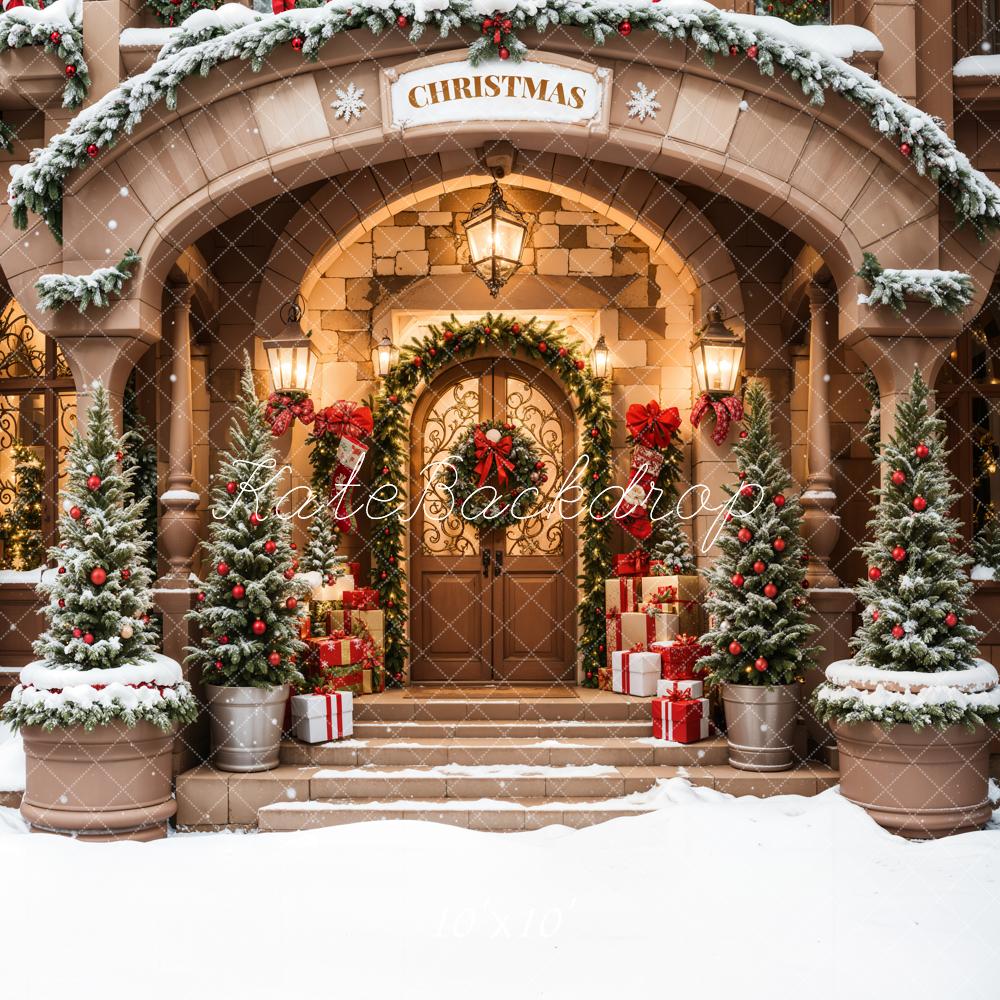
[632,564]
[680,657]
[354,569]
[337,651]
[361,599]
[679,718]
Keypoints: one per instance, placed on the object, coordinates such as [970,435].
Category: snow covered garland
[209,38]
[173,12]
[97,288]
[891,286]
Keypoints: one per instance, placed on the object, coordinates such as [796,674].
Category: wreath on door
[494,474]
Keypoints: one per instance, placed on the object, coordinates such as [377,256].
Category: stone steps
[500,729]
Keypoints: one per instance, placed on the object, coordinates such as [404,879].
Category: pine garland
[872,432]
[890,286]
[797,11]
[208,40]
[840,704]
[97,288]
[174,12]
[7,137]
[418,363]
[55,33]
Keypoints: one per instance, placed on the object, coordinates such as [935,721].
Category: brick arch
[677,233]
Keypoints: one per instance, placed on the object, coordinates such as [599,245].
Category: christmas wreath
[493,475]
[173,12]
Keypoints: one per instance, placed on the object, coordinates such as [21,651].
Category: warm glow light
[292,361]
[496,235]
[600,360]
[717,354]
[385,354]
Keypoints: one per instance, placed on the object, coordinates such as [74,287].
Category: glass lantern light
[717,353]
[385,356]
[292,356]
[600,359]
[496,234]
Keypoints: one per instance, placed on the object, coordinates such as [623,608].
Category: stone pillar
[820,525]
[180,524]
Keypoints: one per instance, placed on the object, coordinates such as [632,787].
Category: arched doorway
[496,606]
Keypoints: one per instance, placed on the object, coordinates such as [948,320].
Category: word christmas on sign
[455,92]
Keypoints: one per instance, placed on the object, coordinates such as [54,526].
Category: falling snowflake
[642,103]
[348,104]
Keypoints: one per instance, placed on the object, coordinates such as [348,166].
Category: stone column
[179,526]
[820,525]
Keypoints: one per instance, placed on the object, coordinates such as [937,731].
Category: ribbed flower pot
[246,726]
[760,725]
[111,783]
[919,783]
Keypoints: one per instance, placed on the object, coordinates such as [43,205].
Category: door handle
[497,562]
[486,562]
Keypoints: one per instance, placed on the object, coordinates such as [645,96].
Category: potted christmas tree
[910,711]
[99,709]
[22,523]
[757,605]
[248,608]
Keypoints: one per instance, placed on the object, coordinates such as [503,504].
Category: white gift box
[635,672]
[320,718]
[694,689]
[334,591]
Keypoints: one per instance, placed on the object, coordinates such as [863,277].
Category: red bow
[344,419]
[280,6]
[682,639]
[489,452]
[725,410]
[636,522]
[678,694]
[283,408]
[651,425]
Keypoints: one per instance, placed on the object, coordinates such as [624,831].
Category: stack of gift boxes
[653,620]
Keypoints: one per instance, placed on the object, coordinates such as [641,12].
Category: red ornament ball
[503,52]
[218,664]
[289,574]
[62,569]
[744,535]
[93,482]
[760,664]
[402,21]
[874,574]
[759,566]
[297,43]
[743,435]
[898,632]
[737,580]
[752,52]
[874,614]
[735,648]
[733,51]
[61,603]
[231,487]
[223,640]
[741,475]
[126,573]
[222,569]
[239,591]
[258,627]
[77,632]
[905,148]
[71,70]
[255,519]
[270,546]
[778,545]
[88,638]
[292,603]
[55,38]
[771,591]
[779,500]
[922,451]
[899,553]
[625,29]
[580,364]
[919,504]
[98,576]
[951,619]
[92,151]
[75,513]
[746,491]
[898,477]
[202,596]
[542,346]
[274,659]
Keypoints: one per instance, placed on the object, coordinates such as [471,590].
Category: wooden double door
[499,605]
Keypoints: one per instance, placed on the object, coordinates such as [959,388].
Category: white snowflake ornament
[349,104]
[642,103]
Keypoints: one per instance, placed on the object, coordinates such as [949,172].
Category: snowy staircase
[489,764]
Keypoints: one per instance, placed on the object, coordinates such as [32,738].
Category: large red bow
[726,410]
[344,419]
[283,408]
[651,425]
[490,453]
[280,6]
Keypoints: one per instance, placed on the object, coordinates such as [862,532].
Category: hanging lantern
[717,353]
[600,359]
[496,234]
[385,355]
[291,356]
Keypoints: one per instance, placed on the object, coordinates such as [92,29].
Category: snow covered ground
[11,760]
[710,897]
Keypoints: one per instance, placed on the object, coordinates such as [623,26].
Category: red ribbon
[283,409]
[331,699]
[344,419]
[652,426]
[489,453]
[726,410]
[280,6]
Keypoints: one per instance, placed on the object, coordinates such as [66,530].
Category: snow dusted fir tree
[98,603]
[756,595]
[248,607]
[22,522]
[986,546]
[672,547]
[320,555]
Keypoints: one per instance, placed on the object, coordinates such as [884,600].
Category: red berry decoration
[899,553]
[258,627]
[98,576]
[126,573]
[733,51]
[402,21]
[778,545]
[744,535]
[779,500]
[75,513]
[239,591]
[291,604]
[874,614]
[951,619]
[735,648]
[874,574]
[61,603]
[759,566]
[218,664]
[922,451]
[905,148]
[760,664]
[771,591]
[270,546]
[737,580]
[92,151]
[919,504]
[625,29]
[231,487]
[88,638]
[898,477]
[93,482]
[62,569]
[743,435]
[274,659]
[222,569]
[898,632]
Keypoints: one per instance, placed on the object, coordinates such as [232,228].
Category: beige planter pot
[246,726]
[112,783]
[924,783]
[760,725]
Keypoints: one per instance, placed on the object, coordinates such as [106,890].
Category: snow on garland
[209,38]
[97,288]
[58,29]
[6,137]
[891,286]
[173,12]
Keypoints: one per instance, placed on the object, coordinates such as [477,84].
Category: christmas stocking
[350,456]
